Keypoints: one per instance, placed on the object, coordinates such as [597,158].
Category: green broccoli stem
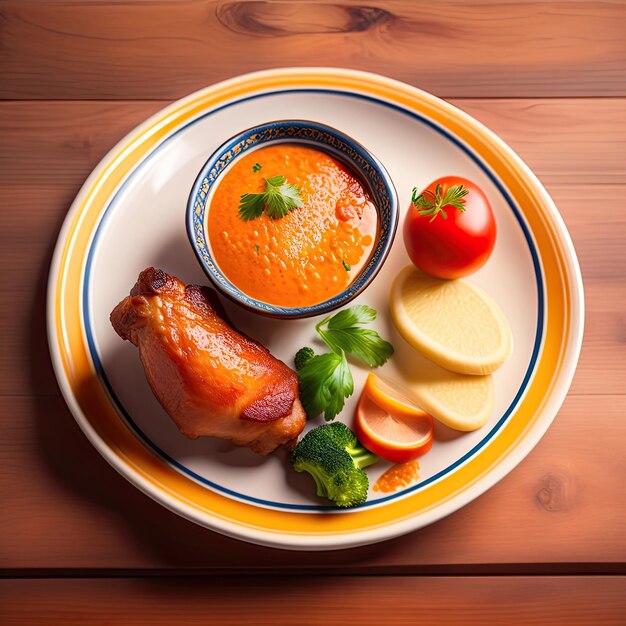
[361,457]
[319,480]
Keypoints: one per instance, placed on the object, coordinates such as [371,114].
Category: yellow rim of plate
[99,418]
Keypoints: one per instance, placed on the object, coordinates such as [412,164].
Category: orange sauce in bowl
[313,253]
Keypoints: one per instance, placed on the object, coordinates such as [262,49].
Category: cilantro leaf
[342,333]
[357,314]
[281,197]
[362,343]
[325,383]
[325,379]
[277,200]
[251,206]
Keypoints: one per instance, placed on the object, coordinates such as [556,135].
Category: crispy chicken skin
[211,379]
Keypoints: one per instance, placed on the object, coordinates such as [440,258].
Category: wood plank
[580,154]
[26,367]
[559,139]
[25,362]
[539,601]
[561,495]
[565,141]
[65,49]
[64,507]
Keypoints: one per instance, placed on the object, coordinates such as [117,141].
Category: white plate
[130,214]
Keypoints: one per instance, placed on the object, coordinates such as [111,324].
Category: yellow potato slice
[459,401]
[452,322]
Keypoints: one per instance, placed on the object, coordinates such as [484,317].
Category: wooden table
[546,545]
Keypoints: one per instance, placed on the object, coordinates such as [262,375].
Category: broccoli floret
[346,439]
[334,457]
[302,356]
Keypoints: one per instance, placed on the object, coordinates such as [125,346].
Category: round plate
[130,214]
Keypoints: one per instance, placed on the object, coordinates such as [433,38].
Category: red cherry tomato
[450,230]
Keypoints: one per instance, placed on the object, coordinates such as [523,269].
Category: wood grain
[64,507]
[565,141]
[25,362]
[510,601]
[576,147]
[563,495]
[93,71]
[64,49]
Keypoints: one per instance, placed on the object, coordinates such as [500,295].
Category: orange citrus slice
[391,397]
[389,424]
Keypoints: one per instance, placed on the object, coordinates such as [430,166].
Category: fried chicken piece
[211,379]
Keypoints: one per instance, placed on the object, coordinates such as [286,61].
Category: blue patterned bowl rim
[347,150]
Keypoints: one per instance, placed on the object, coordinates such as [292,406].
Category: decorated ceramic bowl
[296,267]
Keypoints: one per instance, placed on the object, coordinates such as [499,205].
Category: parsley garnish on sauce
[256,167]
[277,200]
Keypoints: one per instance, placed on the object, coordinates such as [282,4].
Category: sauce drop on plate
[397,476]
[313,253]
